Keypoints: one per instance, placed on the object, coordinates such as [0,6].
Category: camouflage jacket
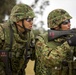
[18,51]
[50,54]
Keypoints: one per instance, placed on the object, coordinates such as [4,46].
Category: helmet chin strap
[20,26]
[25,29]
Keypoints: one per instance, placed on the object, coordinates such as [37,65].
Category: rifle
[53,34]
[28,55]
[4,56]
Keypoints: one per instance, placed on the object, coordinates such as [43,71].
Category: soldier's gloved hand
[72,41]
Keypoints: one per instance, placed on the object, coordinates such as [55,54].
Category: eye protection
[28,19]
[65,22]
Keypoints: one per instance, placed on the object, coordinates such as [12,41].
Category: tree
[39,7]
[5,8]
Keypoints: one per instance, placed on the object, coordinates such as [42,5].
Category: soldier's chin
[29,29]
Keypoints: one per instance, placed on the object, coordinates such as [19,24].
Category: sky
[68,5]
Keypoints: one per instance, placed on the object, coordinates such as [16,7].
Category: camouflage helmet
[21,11]
[56,17]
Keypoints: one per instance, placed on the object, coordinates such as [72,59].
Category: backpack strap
[11,37]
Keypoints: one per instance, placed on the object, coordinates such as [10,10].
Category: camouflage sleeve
[49,56]
[1,37]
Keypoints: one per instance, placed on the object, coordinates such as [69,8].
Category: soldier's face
[65,25]
[28,22]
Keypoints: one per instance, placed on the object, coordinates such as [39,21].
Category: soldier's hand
[72,41]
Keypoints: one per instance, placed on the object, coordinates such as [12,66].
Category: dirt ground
[30,67]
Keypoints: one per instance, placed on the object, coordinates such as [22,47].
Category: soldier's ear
[19,23]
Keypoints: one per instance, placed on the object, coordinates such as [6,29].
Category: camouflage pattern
[19,40]
[49,56]
[57,16]
[18,48]
[54,57]
[21,11]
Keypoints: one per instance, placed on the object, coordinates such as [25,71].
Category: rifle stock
[53,34]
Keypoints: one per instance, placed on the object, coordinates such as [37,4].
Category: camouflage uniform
[19,40]
[54,57]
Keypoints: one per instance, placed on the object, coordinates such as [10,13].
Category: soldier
[55,57]
[16,40]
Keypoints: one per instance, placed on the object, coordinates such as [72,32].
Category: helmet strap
[26,30]
[18,25]
[23,27]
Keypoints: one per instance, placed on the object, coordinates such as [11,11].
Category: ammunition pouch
[4,58]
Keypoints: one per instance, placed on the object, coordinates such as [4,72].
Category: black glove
[72,41]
